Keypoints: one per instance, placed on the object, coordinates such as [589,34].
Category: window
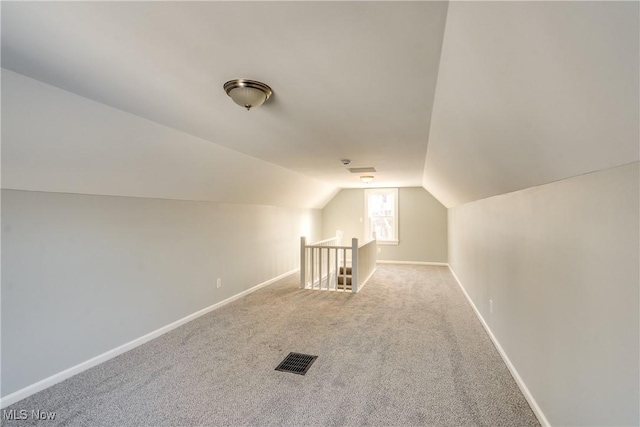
[381,213]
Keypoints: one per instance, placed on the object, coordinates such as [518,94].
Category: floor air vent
[296,363]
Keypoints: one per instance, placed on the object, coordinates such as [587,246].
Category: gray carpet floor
[406,350]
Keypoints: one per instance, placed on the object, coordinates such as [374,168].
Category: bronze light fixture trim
[247,93]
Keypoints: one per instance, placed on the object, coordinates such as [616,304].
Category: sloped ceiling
[56,141]
[351,79]
[532,92]
[507,96]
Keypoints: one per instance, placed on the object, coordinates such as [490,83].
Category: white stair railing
[327,265]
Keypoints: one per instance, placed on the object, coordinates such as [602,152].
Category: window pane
[381,215]
[383,227]
[381,205]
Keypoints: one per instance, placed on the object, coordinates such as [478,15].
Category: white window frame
[367,221]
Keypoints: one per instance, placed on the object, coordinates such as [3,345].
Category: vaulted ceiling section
[530,93]
[468,99]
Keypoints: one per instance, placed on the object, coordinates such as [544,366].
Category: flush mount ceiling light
[366,178]
[247,93]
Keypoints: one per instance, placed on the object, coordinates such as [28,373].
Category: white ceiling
[56,141]
[351,79]
[524,93]
[530,93]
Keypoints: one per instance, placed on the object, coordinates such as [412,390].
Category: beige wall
[83,274]
[422,224]
[561,264]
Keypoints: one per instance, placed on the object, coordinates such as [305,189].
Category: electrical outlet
[379,250]
[491,306]
[219,282]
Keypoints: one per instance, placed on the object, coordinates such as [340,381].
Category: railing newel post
[303,261]
[354,265]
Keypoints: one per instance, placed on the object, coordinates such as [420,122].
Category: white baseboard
[443,264]
[523,387]
[25,392]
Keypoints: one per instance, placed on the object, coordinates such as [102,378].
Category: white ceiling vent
[362,170]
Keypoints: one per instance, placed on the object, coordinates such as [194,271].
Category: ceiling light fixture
[367,178]
[247,93]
